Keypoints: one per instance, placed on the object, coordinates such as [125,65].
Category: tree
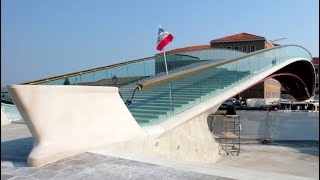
[66,81]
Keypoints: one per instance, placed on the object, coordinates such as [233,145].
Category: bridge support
[68,120]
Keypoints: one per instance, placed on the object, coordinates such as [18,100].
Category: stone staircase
[152,105]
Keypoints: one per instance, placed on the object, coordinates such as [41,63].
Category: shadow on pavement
[16,151]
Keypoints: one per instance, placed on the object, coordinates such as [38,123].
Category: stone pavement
[296,158]
[278,161]
[283,160]
[90,166]
[16,144]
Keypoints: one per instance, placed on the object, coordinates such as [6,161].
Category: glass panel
[155,104]
[136,72]
[56,82]
[190,90]
[87,79]
[117,76]
[100,77]
[150,67]
[75,80]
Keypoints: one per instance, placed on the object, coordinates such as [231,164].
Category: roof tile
[190,48]
[237,37]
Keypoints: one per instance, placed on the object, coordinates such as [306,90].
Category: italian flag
[164,38]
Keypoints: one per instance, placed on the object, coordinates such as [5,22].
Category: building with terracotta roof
[245,42]
[269,90]
[242,42]
[315,61]
[190,48]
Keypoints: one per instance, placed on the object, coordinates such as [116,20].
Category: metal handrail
[88,71]
[106,67]
[171,77]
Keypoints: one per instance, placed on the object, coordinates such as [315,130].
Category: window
[271,82]
[221,47]
[236,48]
[252,48]
[244,48]
[276,95]
[228,47]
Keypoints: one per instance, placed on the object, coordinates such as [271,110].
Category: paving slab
[280,160]
[95,166]
[296,158]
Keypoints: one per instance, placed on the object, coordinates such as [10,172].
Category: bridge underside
[298,79]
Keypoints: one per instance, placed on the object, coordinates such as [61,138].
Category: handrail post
[166,66]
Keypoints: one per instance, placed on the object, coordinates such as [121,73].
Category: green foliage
[66,81]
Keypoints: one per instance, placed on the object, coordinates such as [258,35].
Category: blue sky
[45,38]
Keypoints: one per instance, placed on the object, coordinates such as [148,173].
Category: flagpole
[165,62]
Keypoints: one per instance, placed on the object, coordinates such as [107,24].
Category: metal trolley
[230,135]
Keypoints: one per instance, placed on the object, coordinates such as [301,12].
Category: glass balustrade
[123,74]
[155,104]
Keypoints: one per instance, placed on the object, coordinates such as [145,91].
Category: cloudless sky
[45,38]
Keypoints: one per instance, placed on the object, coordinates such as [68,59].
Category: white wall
[68,120]
[284,125]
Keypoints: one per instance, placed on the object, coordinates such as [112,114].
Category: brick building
[315,61]
[270,89]
[242,42]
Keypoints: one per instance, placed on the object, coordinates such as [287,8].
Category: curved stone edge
[190,141]
[68,120]
[183,135]
[208,105]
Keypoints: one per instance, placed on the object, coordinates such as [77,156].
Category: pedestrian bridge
[134,107]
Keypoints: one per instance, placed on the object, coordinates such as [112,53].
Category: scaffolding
[230,135]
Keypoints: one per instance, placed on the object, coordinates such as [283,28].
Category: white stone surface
[67,120]
[190,141]
[256,161]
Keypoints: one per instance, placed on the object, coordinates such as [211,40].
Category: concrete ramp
[68,120]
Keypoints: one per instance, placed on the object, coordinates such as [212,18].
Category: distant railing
[131,71]
[182,90]
[289,51]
